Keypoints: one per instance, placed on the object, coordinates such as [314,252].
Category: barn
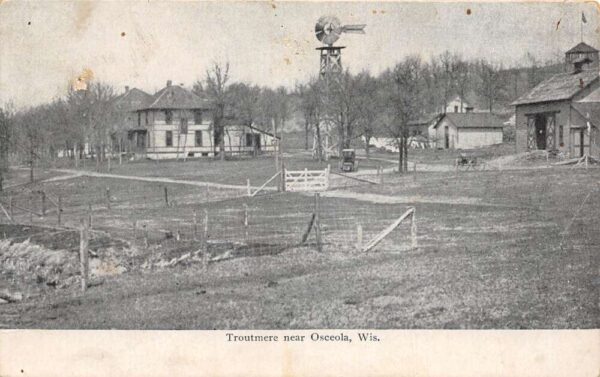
[467,130]
[561,113]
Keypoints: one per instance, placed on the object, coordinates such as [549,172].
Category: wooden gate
[307,180]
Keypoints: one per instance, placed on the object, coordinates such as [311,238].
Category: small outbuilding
[467,130]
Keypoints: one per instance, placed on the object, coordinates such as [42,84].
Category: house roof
[558,87]
[424,120]
[175,97]
[132,100]
[593,97]
[472,120]
[582,47]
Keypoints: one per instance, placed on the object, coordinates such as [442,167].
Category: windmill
[328,30]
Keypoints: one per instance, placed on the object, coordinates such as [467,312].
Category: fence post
[166,197]
[359,236]
[415,171]
[248,186]
[83,254]
[32,206]
[246,221]
[195,231]
[43,194]
[282,178]
[145,227]
[413,229]
[205,242]
[318,223]
[108,197]
[59,209]
[90,214]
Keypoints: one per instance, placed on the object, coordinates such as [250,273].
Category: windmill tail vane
[354,29]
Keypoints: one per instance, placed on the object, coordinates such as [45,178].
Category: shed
[468,130]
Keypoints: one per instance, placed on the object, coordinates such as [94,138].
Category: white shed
[467,130]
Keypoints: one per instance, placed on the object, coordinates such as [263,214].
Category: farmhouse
[467,130]
[561,113]
[129,136]
[176,123]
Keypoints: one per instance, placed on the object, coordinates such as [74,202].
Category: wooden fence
[307,180]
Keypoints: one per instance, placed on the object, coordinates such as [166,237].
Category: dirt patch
[35,259]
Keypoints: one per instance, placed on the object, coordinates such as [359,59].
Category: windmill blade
[354,29]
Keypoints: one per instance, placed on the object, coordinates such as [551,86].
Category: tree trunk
[319,143]
[400,155]
[31,164]
[306,128]
[367,142]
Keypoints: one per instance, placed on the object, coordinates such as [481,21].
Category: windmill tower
[328,30]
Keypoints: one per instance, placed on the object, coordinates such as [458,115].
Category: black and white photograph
[299,166]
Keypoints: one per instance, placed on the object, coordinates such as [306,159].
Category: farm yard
[511,248]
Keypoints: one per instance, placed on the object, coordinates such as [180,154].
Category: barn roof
[175,97]
[589,111]
[582,47]
[594,96]
[472,120]
[558,87]
[132,100]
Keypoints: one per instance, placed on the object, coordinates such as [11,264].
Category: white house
[467,130]
[176,123]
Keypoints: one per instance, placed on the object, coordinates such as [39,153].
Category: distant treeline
[352,105]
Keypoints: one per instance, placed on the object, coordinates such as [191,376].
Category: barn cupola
[581,57]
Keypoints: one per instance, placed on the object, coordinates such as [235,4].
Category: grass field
[497,249]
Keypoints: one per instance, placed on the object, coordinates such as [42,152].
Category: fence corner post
[413,229]
[318,223]
[83,254]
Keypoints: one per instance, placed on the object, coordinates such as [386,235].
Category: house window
[197,117]
[183,126]
[561,136]
[139,119]
[456,109]
[169,138]
[169,116]
[249,140]
[146,118]
[198,138]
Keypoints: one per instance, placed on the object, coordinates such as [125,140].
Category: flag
[583,19]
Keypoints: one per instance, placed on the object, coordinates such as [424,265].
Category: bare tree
[215,89]
[369,107]
[406,100]
[491,82]
[4,144]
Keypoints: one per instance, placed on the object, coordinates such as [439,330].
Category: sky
[44,46]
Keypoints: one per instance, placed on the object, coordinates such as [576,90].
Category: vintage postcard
[315,188]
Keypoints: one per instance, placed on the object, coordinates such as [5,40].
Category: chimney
[169,82]
[126,88]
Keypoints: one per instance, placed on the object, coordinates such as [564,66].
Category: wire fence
[165,221]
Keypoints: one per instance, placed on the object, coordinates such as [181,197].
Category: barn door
[550,132]
[531,143]
[581,142]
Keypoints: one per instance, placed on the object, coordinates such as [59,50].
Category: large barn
[561,113]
